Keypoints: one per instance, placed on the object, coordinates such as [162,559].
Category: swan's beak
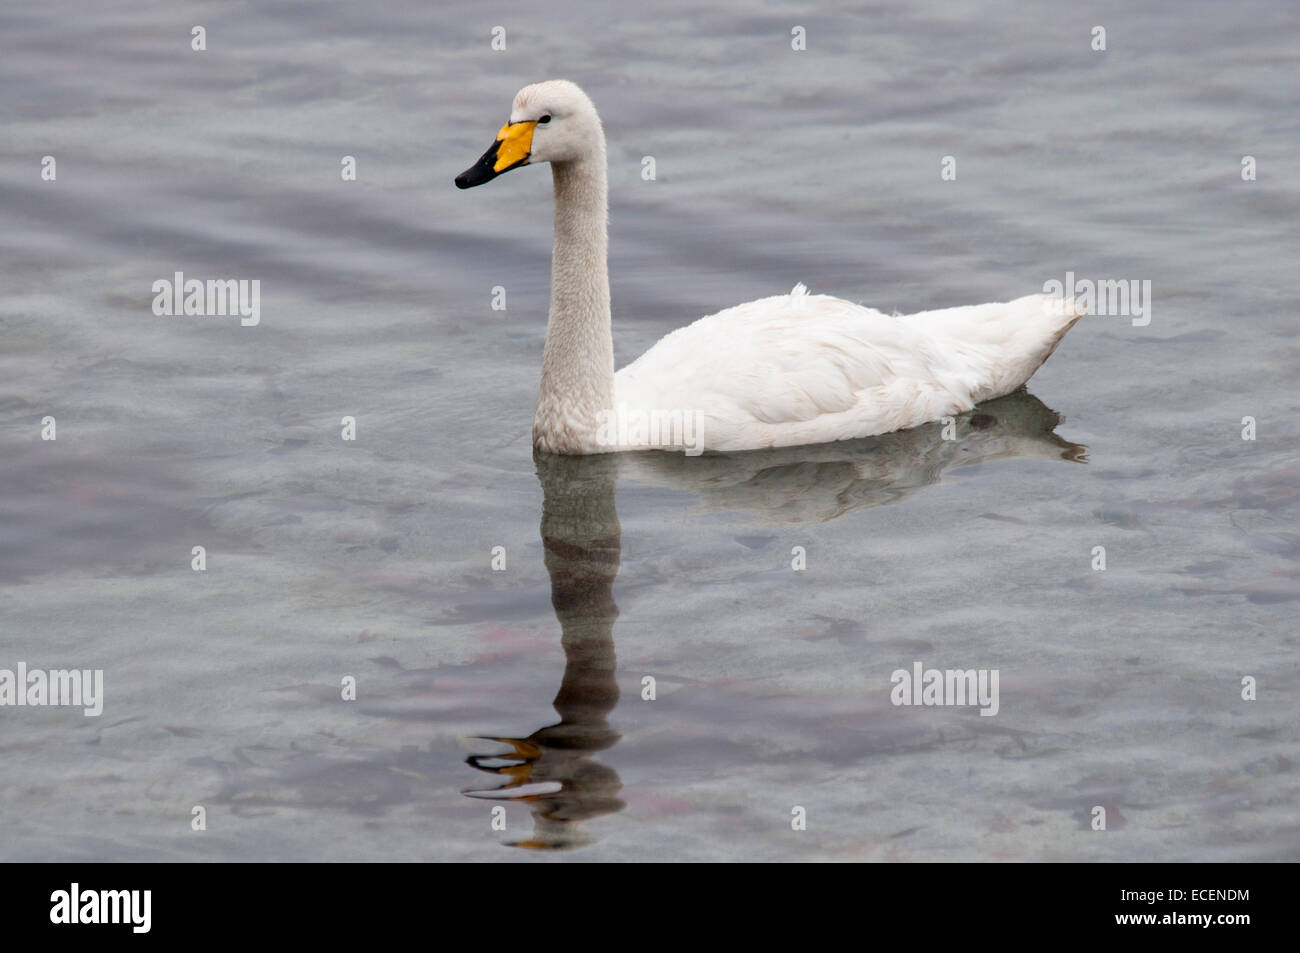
[514,142]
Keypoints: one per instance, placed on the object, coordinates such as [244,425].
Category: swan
[782,371]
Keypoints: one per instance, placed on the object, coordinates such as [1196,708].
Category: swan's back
[800,368]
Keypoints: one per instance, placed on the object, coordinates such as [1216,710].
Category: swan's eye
[544,120]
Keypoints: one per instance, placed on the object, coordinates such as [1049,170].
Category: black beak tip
[484,170]
[477,174]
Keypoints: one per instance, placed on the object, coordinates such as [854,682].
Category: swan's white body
[800,368]
[777,372]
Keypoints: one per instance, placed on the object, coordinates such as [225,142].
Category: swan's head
[553,121]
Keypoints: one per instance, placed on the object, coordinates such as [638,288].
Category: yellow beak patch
[516,142]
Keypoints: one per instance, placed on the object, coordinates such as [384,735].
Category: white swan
[782,371]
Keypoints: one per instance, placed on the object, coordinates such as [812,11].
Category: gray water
[1120,689]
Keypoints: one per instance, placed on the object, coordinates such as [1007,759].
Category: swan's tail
[1003,344]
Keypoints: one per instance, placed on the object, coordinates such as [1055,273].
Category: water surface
[372,558]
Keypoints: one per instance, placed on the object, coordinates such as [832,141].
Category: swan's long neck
[578,361]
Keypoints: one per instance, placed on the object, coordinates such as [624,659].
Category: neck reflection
[553,768]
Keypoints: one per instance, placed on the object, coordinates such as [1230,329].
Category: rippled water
[371,558]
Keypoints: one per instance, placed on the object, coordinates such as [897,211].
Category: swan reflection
[818,483]
[553,770]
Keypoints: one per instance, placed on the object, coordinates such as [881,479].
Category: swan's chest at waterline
[568,424]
